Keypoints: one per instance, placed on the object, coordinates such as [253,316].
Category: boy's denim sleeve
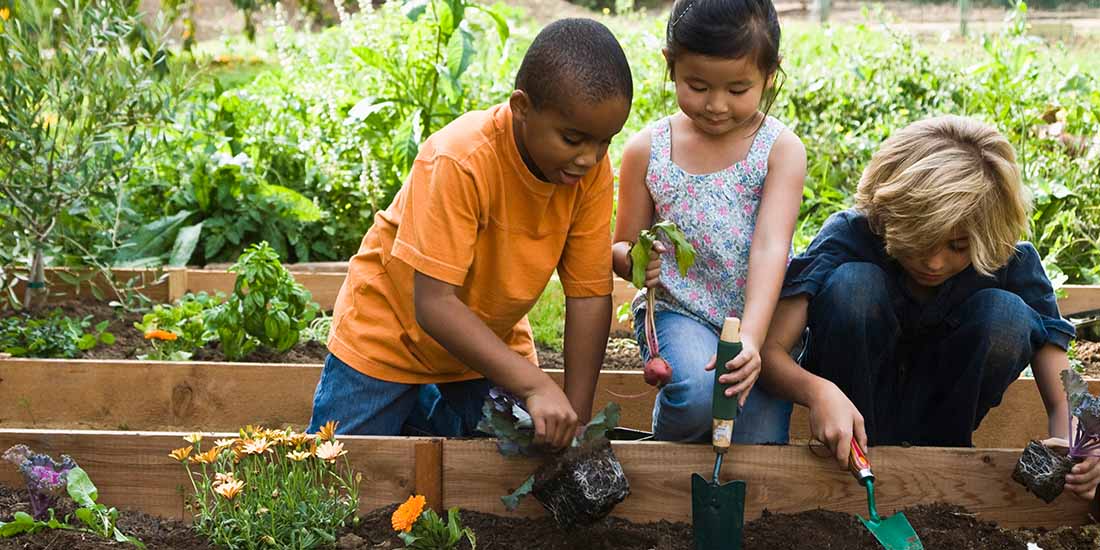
[842,239]
[1026,278]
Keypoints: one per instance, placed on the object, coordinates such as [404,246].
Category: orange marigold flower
[158,334]
[328,431]
[406,515]
[229,489]
[5,13]
[181,454]
[331,450]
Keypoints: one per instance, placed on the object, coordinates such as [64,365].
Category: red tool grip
[858,463]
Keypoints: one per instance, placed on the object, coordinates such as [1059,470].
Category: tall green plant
[78,85]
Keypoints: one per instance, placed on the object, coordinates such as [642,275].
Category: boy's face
[561,144]
[948,259]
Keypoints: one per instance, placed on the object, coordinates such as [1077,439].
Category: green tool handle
[724,409]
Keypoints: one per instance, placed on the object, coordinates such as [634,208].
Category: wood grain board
[780,479]
[132,470]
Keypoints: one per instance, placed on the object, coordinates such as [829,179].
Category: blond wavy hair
[941,177]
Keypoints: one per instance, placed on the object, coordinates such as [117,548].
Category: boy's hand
[834,420]
[744,370]
[554,419]
[653,268]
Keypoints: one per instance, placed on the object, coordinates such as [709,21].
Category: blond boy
[920,304]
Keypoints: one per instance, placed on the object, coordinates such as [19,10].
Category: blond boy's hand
[835,420]
[1084,477]
[553,416]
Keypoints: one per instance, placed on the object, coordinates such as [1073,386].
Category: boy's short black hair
[574,58]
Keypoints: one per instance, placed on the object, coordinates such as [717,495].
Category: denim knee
[682,411]
[855,294]
[1001,323]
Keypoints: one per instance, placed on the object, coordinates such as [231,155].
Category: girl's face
[947,260]
[718,94]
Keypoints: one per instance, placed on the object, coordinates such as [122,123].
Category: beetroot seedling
[657,371]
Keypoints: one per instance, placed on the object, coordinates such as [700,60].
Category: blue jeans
[365,405]
[682,411]
[923,373]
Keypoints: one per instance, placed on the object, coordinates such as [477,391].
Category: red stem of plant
[651,324]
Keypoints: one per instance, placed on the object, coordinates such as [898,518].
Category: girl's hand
[653,268]
[743,369]
[835,420]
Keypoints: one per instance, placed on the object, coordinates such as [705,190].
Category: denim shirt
[847,237]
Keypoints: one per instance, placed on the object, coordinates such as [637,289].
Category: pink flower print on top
[717,213]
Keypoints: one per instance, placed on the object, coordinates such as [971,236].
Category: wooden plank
[92,394]
[152,283]
[132,470]
[429,473]
[154,395]
[1079,298]
[781,479]
[323,286]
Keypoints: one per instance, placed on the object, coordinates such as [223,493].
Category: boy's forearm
[1047,365]
[451,323]
[587,324]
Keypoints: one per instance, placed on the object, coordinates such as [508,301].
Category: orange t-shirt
[471,214]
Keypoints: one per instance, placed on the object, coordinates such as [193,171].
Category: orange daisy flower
[158,334]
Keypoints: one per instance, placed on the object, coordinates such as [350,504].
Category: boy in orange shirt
[434,306]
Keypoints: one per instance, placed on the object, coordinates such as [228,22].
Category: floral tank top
[717,213]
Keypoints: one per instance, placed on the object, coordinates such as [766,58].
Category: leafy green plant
[267,307]
[45,480]
[176,331]
[420,528]
[318,329]
[54,335]
[504,417]
[271,488]
[81,82]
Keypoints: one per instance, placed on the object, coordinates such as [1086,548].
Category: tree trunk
[35,294]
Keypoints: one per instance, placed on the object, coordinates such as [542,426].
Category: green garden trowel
[718,510]
[894,532]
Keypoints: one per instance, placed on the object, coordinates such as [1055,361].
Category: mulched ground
[1088,353]
[940,526]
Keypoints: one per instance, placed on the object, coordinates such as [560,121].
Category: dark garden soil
[622,354]
[1088,353]
[940,526]
[129,341]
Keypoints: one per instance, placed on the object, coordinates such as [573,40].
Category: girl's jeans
[682,411]
[368,406]
[916,376]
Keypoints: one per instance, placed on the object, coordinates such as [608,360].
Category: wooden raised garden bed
[133,471]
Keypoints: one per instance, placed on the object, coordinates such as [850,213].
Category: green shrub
[55,335]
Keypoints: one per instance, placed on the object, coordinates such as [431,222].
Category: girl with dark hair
[730,177]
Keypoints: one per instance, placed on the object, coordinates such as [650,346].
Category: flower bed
[795,500]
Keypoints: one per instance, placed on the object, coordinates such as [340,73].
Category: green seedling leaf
[604,420]
[80,487]
[511,502]
[685,252]
[639,257]
[20,524]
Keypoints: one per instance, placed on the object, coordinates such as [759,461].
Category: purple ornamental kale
[46,479]
[1084,440]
